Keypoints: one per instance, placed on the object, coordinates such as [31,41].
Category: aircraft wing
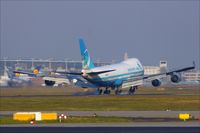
[24,72]
[139,81]
[171,72]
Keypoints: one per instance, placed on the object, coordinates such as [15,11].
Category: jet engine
[74,81]
[156,82]
[49,82]
[175,77]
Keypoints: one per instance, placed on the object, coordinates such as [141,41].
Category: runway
[142,114]
[100,129]
[124,124]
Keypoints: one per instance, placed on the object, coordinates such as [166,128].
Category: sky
[148,30]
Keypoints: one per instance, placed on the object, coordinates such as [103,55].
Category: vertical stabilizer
[7,73]
[86,60]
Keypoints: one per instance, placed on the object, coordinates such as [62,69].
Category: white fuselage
[125,70]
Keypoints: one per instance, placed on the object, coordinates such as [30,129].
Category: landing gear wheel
[117,92]
[100,91]
[132,90]
[106,91]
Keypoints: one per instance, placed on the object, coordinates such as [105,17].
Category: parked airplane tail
[86,60]
[38,67]
[7,73]
[37,70]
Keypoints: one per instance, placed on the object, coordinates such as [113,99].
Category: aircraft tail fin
[86,60]
[37,70]
[7,73]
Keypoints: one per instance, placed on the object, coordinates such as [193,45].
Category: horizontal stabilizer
[86,72]
[72,73]
[99,72]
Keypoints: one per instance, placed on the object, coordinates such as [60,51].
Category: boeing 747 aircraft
[126,74]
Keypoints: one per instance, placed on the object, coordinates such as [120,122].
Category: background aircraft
[36,72]
[50,78]
[9,79]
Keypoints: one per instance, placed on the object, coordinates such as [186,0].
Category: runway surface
[94,94]
[145,114]
[125,124]
[100,130]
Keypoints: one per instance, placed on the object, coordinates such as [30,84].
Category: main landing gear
[99,91]
[106,91]
[117,91]
[132,90]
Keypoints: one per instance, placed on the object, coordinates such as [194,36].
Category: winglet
[194,65]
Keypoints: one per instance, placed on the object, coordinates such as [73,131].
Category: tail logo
[35,71]
[86,59]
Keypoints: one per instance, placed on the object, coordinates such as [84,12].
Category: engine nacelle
[74,81]
[156,82]
[176,77]
[49,83]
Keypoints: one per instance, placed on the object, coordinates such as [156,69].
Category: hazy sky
[148,30]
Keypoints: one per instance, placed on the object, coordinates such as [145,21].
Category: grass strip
[101,103]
